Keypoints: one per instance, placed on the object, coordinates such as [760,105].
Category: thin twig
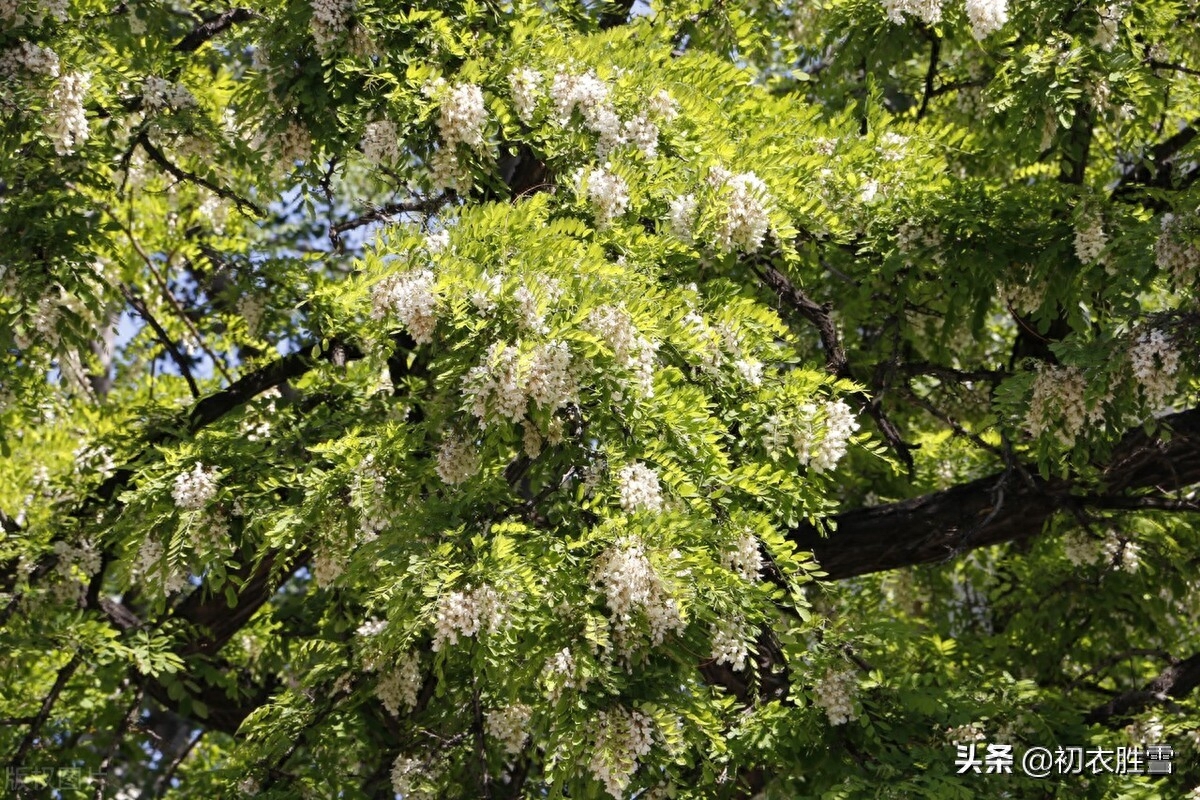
[164,781]
[245,206]
[144,311]
[127,720]
[64,675]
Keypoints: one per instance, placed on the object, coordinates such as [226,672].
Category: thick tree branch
[1174,682]
[245,206]
[936,527]
[210,28]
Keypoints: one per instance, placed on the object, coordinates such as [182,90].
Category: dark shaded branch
[127,720]
[1173,683]
[166,341]
[210,28]
[938,526]
[157,156]
[385,214]
[1156,64]
[60,682]
[935,51]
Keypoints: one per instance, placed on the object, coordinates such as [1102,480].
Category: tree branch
[1174,682]
[938,526]
[245,206]
[210,28]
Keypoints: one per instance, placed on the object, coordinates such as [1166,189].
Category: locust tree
[707,398]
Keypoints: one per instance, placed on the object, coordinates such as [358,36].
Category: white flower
[251,308]
[327,566]
[744,558]
[400,688]
[1057,403]
[510,726]
[294,146]
[372,627]
[1174,256]
[196,489]
[1081,549]
[381,143]
[621,739]
[987,16]
[406,777]
[643,134]
[730,642]
[447,172]
[1090,240]
[586,92]
[608,194]
[559,673]
[65,122]
[328,22]
[834,694]
[437,242]
[1109,26]
[484,298]
[682,217]
[457,460]
[525,84]
[639,488]
[630,583]
[462,116]
[465,613]
[550,382]
[31,58]
[746,222]
[411,298]
[928,11]
[821,436]
[1120,552]
[495,386]
[160,93]
[662,105]
[1155,360]
[631,350]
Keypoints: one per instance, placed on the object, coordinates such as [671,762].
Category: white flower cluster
[411,297]
[1057,404]
[928,11]
[525,84]
[529,303]
[399,688]
[251,308]
[462,116]
[327,565]
[160,93]
[65,123]
[1145,732]
[501,387]
[621,739]
[381,143]
[589,95]
[86,557]
[820,437]
[630,583]
[987,16]
[746,223]
[559,673]
[639,488]
[509,726]
[1109,26]
[1121,553]
[368,495]
[1174,256]
[27,57]
[730,642]
[744,558]
[466,613]
[1155,360]
[294,146]
[195,489]
[457,460]
[328,22]
[94,458]
[971,732]
[608,193]
[1090,240]
[1080,548]
[631,350]
[408,778]
[447,172]
[437,241]
[682,217]
[153,566]
[834,693]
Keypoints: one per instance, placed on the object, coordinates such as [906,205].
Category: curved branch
[939,526]
[1173,683]
[207,30]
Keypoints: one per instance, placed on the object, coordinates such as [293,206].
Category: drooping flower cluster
[631,350]
[195,489]
[1090,240]
[681,217]
[65,123]
[1155,362]
[509,726]
[987,16]
[462,116]
[294,146]
[730,642]
[381,143]
[457,460]
[437,241]
[85,557]
[465,614]
[589,95]
[398,689]
[630,583]
[1121,553]
[559,673]
[744,557]
[1057,404]
[928,11]
[639,488]
[1174,256]
[408,778]
[1080,548]
[834,694]
[153,567]
[1108,28]
[328,22]
[607,193]
[160,93]
[27,58]
[251,308]
[504,383]
[746,223]
[820,437]
[525,84]
[621,738]
[411,297]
